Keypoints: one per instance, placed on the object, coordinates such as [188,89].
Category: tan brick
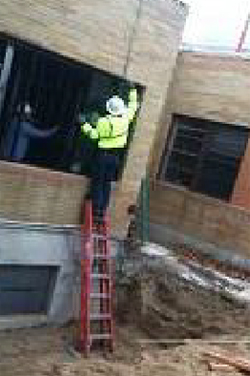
[200,216]
[96,32]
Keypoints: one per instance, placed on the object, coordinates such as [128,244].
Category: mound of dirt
[164,306]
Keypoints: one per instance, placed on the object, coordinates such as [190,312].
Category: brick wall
[97,32]
[201,217]
[241,193]
[213,86]
[36,195]
[217,88]
[209,86]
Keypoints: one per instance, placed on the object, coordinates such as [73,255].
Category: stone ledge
[22,321]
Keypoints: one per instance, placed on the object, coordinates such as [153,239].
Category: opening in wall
[41,97]
[26,289]
[204,156]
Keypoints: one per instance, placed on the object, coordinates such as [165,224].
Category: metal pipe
[5,74]
[243,35]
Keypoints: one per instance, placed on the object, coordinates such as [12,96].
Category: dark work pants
[104,172]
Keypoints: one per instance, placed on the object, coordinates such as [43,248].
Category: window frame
[116,85]
[180,121]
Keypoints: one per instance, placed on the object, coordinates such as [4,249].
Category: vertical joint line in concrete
[132,36]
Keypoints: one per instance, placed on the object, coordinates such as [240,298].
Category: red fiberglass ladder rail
[97,287]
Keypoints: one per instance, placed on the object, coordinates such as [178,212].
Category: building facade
[200,164]
[51,52]
[100,35]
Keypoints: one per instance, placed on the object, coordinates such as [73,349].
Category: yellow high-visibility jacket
[112,131]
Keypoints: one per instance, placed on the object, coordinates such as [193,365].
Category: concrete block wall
[34,245]
[44,246]
[97,33]
[214,87]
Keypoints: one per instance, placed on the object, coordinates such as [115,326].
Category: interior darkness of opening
[26,289]
[57,90]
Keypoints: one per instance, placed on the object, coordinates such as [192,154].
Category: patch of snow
[152,249]
[202,276]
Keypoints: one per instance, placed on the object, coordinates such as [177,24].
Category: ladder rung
[101,316]
[99,236]
[101,276]
[94,337]
[97,295]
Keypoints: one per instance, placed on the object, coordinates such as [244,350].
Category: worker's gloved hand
[86,128]
[133,95]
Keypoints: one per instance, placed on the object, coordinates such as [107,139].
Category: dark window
[203,156]
[56,90]
[26,289]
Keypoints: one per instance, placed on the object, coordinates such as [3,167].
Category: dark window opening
[203,156]
[26,289]
[56,90]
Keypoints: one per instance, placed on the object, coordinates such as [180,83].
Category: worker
[111,133]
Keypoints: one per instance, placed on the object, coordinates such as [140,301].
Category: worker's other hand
[86,128]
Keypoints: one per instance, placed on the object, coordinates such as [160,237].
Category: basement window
[203,156]
[55,90]
[26,289]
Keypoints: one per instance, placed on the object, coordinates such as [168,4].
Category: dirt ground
[44,351]
[164,325]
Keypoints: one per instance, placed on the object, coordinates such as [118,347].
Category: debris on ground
[169,299]
[230,360]
[44,352]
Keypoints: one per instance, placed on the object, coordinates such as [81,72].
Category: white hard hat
[116,106]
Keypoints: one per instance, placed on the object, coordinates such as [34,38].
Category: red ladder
[97,287]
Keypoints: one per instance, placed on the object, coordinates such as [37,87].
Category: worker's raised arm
[132,104]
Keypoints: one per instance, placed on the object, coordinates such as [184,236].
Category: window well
[26,289]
